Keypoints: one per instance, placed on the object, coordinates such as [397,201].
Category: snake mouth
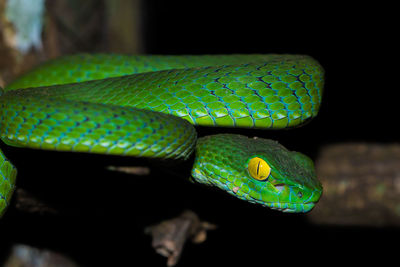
[292,207]
[231,188]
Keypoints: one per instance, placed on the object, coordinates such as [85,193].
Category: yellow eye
[259,169]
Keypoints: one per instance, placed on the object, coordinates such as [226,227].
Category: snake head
[257,170]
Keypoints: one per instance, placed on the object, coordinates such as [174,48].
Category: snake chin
[292,208]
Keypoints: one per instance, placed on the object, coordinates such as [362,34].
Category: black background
[355,45]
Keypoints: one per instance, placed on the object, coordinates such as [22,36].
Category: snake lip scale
[147,106]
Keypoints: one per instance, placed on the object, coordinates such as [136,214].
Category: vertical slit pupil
[258,167]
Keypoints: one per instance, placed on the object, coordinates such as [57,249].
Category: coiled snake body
[146,106]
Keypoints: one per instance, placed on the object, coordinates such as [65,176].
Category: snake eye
[259,169]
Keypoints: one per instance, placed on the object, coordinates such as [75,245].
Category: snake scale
[146,106]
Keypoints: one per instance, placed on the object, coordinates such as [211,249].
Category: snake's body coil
[145,106]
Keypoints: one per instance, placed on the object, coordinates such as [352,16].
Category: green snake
[146,106]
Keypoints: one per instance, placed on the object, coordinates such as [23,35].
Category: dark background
[355,45]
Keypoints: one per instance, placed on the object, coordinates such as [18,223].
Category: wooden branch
[170,236]
[361,185]
[26,202]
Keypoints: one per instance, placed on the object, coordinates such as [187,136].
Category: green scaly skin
[83,103]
